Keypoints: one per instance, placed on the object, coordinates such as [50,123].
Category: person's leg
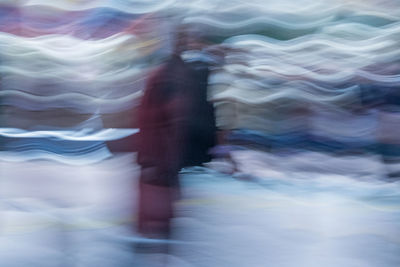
[154,222]
[155,211]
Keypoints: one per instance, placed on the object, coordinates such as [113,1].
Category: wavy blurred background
[309,95]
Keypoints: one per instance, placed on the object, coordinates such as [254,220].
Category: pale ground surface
[298,210]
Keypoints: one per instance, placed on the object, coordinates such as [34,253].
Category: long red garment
[162,119]
[177,127]
[162,122]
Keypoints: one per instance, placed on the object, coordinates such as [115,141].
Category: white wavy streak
[60,46]
[132,7]
[77,101]
[188,8]
[315,9]
[353,28]
[317,90]
[13,74]
[290,70]
[307,85]
[379,44]
[103,66]
[393,79]
[148,7]
[68,65]
[374,14]
[313,61]
[111,61]
[84,73]
[79,160]
[62,76]
[73,58]
[262,53]
[358,8]
[67,97]
[307,42]
[336,60]
[312,64]
[385,35]
[92,88]
[289,94]
[310,56]
[64,42]
[321,9]
[340,76]
[241,70]
[80,52]
[352,59]
[313,49]
[263,20]
[66,28]
[220,76]
[253,22]
[81,135]
[123,75]
[126,51]
[82,109]
[74,101]
[378,10]
[385,57]
[326,8]
[247,84]
[306,58]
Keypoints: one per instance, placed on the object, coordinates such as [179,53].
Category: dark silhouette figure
[177,128]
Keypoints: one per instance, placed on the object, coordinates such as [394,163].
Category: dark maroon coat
[177,124]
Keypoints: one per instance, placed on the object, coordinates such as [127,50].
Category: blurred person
[389,132]
[177,128]
[386,100]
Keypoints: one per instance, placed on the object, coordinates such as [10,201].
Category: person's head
[187,37]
